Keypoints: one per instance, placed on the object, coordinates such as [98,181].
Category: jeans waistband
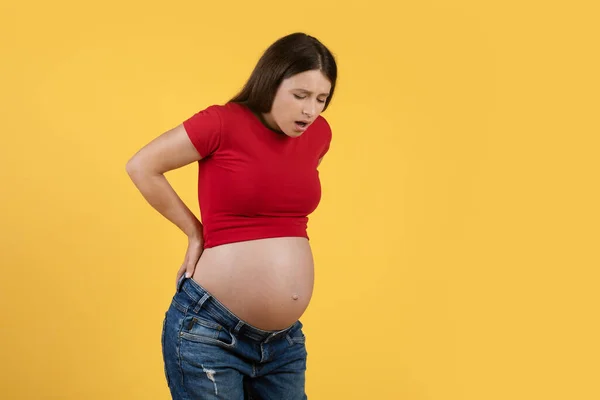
[204,299]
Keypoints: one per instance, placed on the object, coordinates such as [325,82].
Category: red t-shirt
[254,183]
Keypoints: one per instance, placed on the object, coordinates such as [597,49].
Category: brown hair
[288,56]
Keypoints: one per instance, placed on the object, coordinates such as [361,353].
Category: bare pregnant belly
[267,283]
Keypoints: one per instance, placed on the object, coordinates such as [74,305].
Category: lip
[302,128]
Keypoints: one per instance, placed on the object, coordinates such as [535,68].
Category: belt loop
[238,327]
[201,302]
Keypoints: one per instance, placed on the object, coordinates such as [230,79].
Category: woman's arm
[173,149]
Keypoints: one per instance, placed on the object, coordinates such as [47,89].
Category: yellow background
[457,242]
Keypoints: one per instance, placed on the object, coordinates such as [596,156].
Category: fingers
[192,260]
[179,275]
[189,263]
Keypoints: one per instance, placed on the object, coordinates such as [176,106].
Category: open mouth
[301,125]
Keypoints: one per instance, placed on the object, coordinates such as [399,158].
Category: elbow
[131,166]
[135,168]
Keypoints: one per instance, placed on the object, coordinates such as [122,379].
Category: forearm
[160,195]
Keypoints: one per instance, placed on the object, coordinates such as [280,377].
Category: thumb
[191,261]
[189,266]
[188,269]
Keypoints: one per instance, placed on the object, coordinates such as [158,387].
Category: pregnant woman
[232,330]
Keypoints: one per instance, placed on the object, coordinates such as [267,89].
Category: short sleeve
[326,142]
[204,130]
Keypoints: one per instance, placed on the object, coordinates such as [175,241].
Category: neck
[269,123]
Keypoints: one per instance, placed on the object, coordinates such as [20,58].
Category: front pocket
[196,329]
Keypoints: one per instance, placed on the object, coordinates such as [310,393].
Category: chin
[294,134]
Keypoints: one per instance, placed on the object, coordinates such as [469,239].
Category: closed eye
[303,97]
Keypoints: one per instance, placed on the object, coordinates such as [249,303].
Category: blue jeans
[209,353]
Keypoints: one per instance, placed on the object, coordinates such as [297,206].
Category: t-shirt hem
[218,240]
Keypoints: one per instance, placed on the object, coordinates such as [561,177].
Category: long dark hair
[288,56]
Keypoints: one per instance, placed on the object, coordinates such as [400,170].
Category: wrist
[196,234]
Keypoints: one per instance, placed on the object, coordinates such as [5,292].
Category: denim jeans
[209,353]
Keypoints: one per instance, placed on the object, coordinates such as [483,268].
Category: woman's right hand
[192,255]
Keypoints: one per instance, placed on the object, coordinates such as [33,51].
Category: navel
[295,296]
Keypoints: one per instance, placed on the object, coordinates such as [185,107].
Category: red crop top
[254,183]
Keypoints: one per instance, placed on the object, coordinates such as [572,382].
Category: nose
[309,110]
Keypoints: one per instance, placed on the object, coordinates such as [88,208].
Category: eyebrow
[309,92]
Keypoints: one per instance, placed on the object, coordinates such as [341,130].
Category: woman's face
[299,100]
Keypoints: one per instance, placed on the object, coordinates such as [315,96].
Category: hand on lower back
[192,255]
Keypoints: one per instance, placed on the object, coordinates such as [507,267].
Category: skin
[300,97]
[268,282]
